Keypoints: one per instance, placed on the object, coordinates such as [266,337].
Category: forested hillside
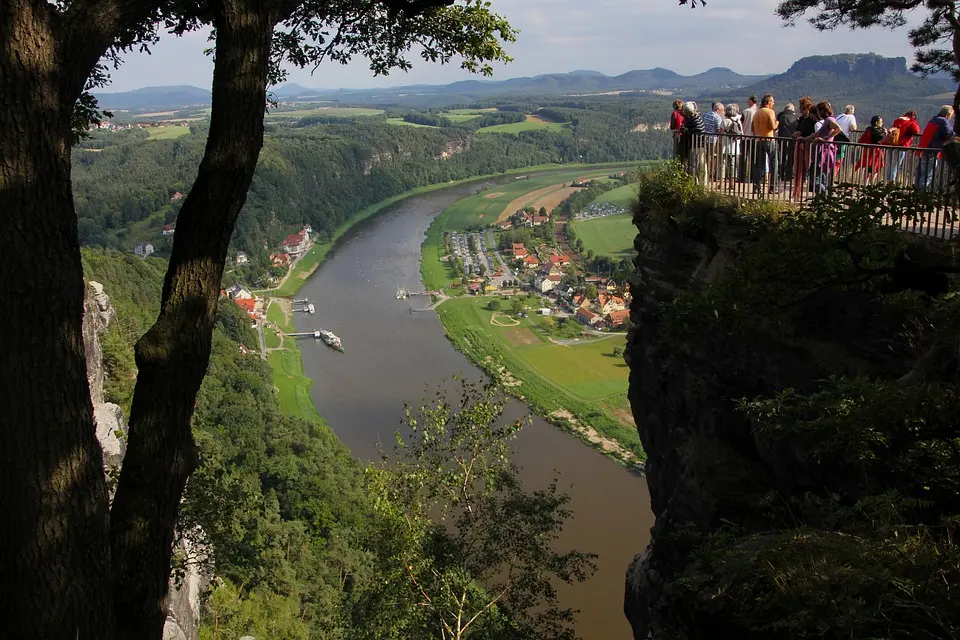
[322,173]
[305,542]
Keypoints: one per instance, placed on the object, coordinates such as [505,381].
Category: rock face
[183,616]
[703,455]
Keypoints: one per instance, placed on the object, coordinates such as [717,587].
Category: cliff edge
[770,370]
[183,616]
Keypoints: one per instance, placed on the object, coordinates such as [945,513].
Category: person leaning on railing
[824,149]
[935,134]
[901,134]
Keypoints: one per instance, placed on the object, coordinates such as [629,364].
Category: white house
[238,292]
[143,249]
[547,283]
[242,258]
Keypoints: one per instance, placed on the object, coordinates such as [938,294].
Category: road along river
[394,356]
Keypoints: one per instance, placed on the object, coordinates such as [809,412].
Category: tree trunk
[172,356]
[54,554]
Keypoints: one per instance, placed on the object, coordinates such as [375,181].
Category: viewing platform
[795,171]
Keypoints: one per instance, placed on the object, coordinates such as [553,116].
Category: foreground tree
[475,551]
[105,573]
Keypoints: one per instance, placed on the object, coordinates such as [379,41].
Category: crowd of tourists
[807,148]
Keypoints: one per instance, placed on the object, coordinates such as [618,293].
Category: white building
[143,249]
[242,258]
[239,292]
[547,283]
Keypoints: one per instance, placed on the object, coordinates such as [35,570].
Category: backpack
[734,127]
[893,137]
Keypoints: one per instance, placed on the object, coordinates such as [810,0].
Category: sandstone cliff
[706,464]
[183,617]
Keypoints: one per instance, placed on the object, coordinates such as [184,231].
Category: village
[535,266]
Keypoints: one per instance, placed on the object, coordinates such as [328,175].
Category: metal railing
[794,170]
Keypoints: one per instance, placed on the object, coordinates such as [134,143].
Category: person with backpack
[730,144]
[902,132]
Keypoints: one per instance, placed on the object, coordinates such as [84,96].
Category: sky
[610,36]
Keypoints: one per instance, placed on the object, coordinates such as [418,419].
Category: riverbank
[581,388]
[318,253]
[286,362]
[578,385]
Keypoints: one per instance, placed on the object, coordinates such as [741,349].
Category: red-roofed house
[580,300]
[280,259]
[588,317]
[539,220]
[531,262]
[560,261]
[295,243]
[177,197]
[617,318]
[168,230]
[608,304]
[249,305]
[519,251]
[547,283]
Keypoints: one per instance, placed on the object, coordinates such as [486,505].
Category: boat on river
[329,338]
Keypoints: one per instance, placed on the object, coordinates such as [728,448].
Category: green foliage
[491,560]
[846,526]
[668,188]
[493,305]
[235,323]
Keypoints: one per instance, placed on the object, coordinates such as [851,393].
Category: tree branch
[88,28]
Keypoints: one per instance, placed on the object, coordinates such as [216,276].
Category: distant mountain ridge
[848,74]
[841,75]
[155,97]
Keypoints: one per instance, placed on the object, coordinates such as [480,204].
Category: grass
[271,338]
[621,196]
[340,112]
[167,133]
[586,379]
[609,236]
[293,388]
[532,123]
[318,253]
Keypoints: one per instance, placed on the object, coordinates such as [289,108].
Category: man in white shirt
[847,121]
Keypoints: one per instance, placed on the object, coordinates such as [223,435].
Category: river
[393,356]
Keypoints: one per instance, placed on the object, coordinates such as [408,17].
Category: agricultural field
[621,196]
[167,133]
[608,236]
[465,115]
[400,122]
[584,379]
[488,206]
[532,123]
[340,112]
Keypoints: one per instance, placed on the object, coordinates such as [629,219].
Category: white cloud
[612,36]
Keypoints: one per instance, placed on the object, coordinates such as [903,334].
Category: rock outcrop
[706,465]
[183,616]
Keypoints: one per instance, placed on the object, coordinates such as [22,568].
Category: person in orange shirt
[764,127]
